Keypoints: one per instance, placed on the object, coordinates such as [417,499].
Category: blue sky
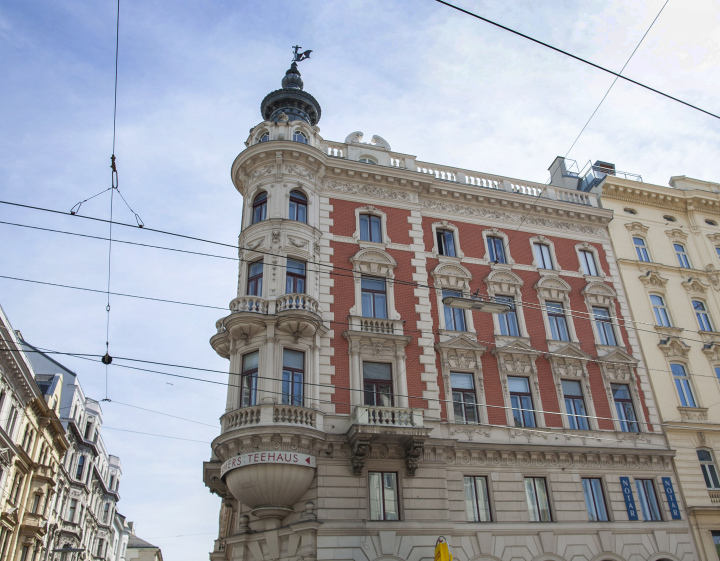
[432,82]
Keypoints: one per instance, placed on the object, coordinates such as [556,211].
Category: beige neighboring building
[667,241]
[138,549]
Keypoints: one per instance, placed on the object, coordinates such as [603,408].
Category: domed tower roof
[291,103]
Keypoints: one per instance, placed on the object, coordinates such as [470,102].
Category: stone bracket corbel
[413,453]
[360,451]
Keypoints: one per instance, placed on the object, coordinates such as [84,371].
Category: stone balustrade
[249,304]
[297,302]
[271,414]
[387,416]
[258,305]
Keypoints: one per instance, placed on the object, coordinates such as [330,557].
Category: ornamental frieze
[369,190]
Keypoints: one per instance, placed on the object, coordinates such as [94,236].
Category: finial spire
[291,102]
[298,56]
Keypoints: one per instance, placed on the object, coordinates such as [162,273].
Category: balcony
[387,416]
[271,414]
[714,496]
[376,325]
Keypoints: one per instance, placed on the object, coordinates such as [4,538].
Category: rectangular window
[575,405]
[648,500]
[293,377]
[477,503]
[496,249]
[682,383]
[521,401]
[24,553]
[662,317]
[88,426]
[464,402]
[641,250]
[71,510]
[624,408]
[537,499]
[595,500]
[248,379]
[557,321]
[716,541]
[370,228]
[99,547]
[709,470]
[543,259]
[255,279]
[508,321]
[604,326]
[374,297]
[446,242]
[383,495]
[682,256]
[587,261]
[377,383]
[702,316]
[295,277]
[454,317]
[35,504]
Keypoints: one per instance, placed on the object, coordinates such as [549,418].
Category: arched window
[709,470]
[80,466]
[702,316]
[641,249]
[682,256]
[300,137]
[264,138]
[662,318]
[259,208]
[255,278]
[367,160]
[682,383]
[248,379]
[298,206]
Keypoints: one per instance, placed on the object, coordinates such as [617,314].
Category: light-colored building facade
[667,241]
[32,445]
[366,417]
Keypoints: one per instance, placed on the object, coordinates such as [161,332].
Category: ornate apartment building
[375,403]
[667,242]
[32,445]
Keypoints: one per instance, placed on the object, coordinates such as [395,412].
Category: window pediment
[676,235]
[452,275]
[599,294]
[516,358]
[694,286]
[461,352]
[653,280]
[373,261]
[637,228]
[503,282]
[617,365]
[672,347]
[552,288]
[712,351]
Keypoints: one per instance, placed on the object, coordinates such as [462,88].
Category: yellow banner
[442,552]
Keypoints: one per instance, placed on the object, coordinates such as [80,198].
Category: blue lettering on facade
[629,499]
[672,501]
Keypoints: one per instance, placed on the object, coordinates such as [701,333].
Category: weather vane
[298,56]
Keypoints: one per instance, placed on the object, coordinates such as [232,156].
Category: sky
[433,82]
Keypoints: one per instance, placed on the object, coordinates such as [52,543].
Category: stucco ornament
[637,228]
[653,280]
[694,286]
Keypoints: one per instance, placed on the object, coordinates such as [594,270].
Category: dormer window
[300,137]
[259,208]
[298,206]
[445,242]
[264,138]
[367,160]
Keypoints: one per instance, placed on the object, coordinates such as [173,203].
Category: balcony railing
[376,325]
[258,305]
[249,304]
[271,414]
[296,302]
[714,496]
[387,416]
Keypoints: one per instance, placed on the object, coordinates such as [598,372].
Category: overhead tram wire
[580,59]
[617,78]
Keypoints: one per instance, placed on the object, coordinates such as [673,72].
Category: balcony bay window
[248,379]
[624,408]
[543,259]
[702,316]
[587,261]
[648,500]
[374,297]
[295,277]
[377,384]
[682,383]
[521,401]
[662,318]
[298,206]
[595,500]
[537,499]
[604,326]
[446,242]
[370,228]
[508,321]
[255,279]
[709,471]
[293,377]
[384,504]
[496,249]
[259,212]
[454,317]
[641,249]
[557,321]
[575,405]
[477,503]
[464,401]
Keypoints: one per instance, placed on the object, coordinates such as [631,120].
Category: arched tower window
[300,137]
[259,208]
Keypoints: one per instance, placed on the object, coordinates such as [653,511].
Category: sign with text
[672,501]
[629,499]
[291,458]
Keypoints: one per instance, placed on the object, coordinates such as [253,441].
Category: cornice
[659,196]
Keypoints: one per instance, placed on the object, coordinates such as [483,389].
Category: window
[477,503]
[454,317]
[710,222]
[464,402]
[595,500]
[10,426]
[648,500]
[299,137]
[669,218]
[255,279]
[575,405]
[537,499]
[662,317]
[106,512]
[641,249]
[587,261]
[18,485]
[367,160]
[374,297]
[624,408]
[508,321]
[716,541]
[264,138]
[298,206]
[35,504]
[259,208]
[496,249]
[248,379]
[100,547]
[112,482]
[24,553]
[377,384]
[521,401]
[71,510]
[543,260]
[557,321]
[717,250]
[383,495]
[445,242]
[682,383]
[630,210]
[702,316]
[293,373]
[295,277]
[709,471]
[370,228]
[80,466]
[604,326]
[682,256]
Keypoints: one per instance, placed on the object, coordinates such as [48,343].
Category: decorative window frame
[502,282]
[548,242]
[696,289]
[603,296]
[370,209]
[452,276]
[462,354]
[265,130]
[445,225]
[495,233]
[684,361]
[570,363]
[555,289]
[638,230]
[654,282]
[248,208]
[704,300]
[672,329]
[596,255]
[618,367]
[518,359]
[375,262]
[303,127]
